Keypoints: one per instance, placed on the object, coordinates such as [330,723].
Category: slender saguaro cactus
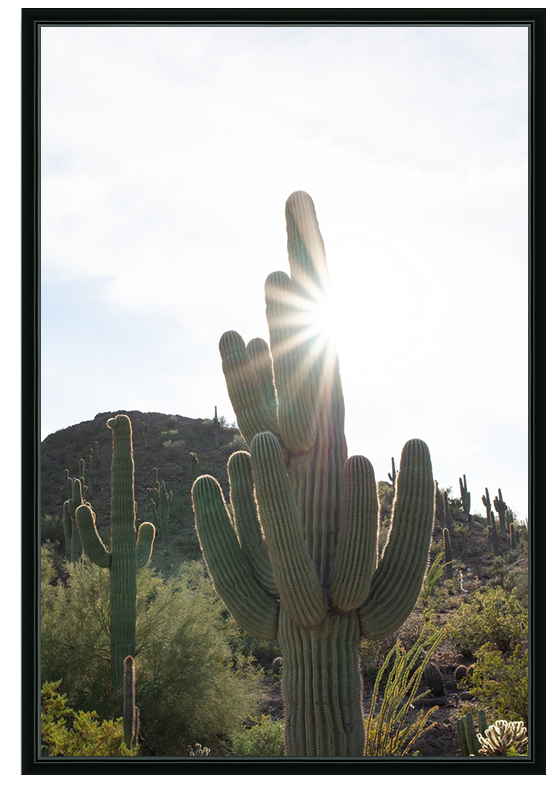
[448,554]
[447,513]
[393,474]
[465,498]
[70,526]
[299,559]
[494,534]
[500,507]
[130,712]
[486,504]
[216,429]
[129,549]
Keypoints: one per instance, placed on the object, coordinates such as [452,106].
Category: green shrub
[69,733]
[499,684]
[260,738]
[491,617]
[193,683]
[389,732]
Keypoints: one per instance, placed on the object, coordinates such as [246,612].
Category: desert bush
[259,738]
[499,683]
[69,733]
[490,617]
[52,528]
[193,683]
[389,732]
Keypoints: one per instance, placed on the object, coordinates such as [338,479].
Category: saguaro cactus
[500,507]
[448,564]
[299,559]
[447,513]
[130,712]
[216,429]
[486,504]
[70,526]
[129,549]
[465,498]
[393,474]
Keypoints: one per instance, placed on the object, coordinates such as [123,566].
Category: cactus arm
[247,397]
[356,556]
[246,520]
[144,546]
[293,364]
[92,544]
[396,582]
[260,358]
[253,608]
[293,569]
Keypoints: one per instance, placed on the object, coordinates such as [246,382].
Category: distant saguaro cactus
[303,564]
[465,498]
[393,474]
[129,549]
[447,513]
[217,429]
[500,507]
[448,558]
[494,534]
[487,505]
[69,515]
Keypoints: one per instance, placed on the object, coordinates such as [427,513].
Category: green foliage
[193,683]
[262,737]
[499,683]
[52,528]
[388,730]
[431,578]
[490,617]
[77,733]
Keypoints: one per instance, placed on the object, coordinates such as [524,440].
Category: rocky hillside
[160,441]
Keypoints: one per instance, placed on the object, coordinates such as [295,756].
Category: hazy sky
[167,157]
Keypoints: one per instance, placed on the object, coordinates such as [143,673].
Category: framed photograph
[284,353]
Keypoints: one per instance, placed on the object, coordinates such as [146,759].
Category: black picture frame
[31,22]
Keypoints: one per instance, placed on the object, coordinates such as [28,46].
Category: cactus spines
[497,739]
[465,498]
[216,429]
[448,564]
[129,549]
[393,474]
[460,673]
[500,507]
[298,559]
[433,679]
[130,712]
[487,505]
[466,734]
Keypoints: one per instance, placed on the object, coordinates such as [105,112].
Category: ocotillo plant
[393,474]
[216,429]
[129,549]
[500,507]
[448,559]
[299,560]
[486,504]
[465,498]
